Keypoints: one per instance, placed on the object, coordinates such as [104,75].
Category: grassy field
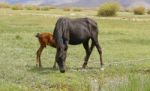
[125,40]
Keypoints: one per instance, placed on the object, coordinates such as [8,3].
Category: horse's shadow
[47,70]
[143,71]
[42,70]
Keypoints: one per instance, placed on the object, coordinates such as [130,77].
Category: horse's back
[76,30]
[82,29]
[75,21]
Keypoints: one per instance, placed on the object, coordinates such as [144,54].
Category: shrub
[17,7]
[128,10]
[52,7]
[45,8]
[148,12]
[66,9]
[108,9]
[32,7]
[18,37]
[78,10]
[38,8]
[4,5]
[139,10]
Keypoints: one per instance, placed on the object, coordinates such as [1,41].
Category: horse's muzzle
[62,71]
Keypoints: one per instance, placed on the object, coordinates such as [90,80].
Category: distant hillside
[124,3]
[39,2]
[80,3]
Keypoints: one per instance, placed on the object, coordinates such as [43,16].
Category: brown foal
[45,39]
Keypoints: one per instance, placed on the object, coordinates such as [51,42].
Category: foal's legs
[38,59]
[88,52]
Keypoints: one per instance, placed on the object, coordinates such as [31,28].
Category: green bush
[108,9]
[4,5]
[18,37]
[127,10]
[66,9]
[52,7]
[139,10]
[77,10]
[17,7]
[32,7]
[148,12]
[45,8]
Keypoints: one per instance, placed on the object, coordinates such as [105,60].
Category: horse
[45,39]
[74,32]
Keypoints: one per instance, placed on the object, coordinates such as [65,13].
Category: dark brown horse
[75,31]
[45,39]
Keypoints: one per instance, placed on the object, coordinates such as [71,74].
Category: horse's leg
[38,61]
[99,49]
[88,53]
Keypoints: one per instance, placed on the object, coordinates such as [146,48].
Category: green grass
[121,39]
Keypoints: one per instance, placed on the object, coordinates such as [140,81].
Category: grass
[121,39]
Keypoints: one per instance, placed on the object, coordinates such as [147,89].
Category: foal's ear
[37,35]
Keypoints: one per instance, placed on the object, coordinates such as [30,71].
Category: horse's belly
[79,37]
[76,41]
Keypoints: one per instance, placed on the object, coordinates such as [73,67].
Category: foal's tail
[37,35]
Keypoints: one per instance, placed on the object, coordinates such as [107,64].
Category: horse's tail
[93,28]
[92,25]
[37,35]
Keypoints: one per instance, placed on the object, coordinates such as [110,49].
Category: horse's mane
[61,28]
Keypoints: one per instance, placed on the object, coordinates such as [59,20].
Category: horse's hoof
[84,70]
[102,69]
[62,71]
[38,66]
[84,66]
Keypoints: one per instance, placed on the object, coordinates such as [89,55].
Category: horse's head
[61,56]
[61,65]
